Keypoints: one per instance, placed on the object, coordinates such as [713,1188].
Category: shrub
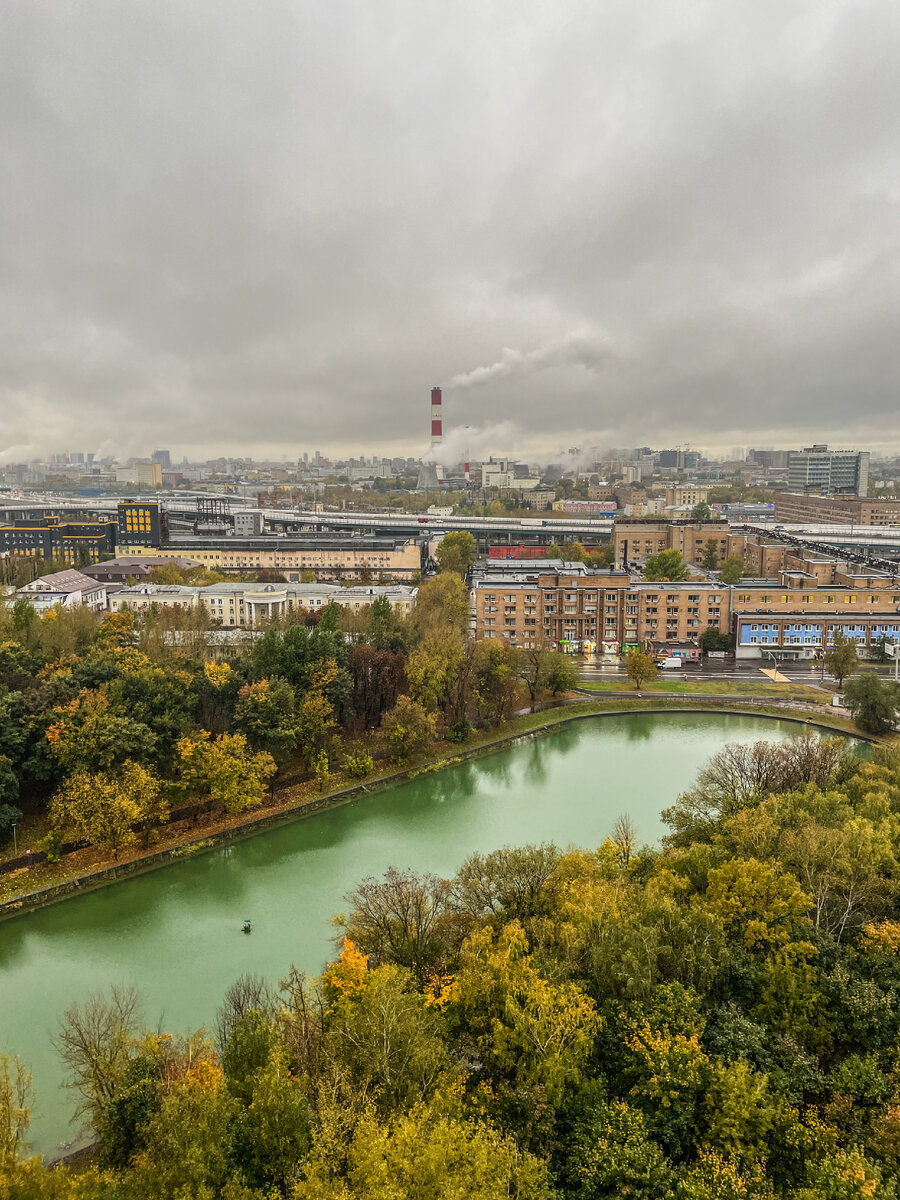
[358,766]
[52,846]
[460,732]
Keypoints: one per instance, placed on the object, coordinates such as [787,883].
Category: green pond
[175,933]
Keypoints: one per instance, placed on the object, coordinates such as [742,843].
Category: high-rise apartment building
[819,469]
[163,457]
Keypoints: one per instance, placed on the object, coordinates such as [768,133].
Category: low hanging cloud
[580,348]
[235,229]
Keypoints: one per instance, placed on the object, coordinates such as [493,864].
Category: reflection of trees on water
[638,728]
[536,760]
[496,769]
[453,783]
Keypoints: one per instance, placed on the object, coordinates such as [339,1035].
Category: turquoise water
[175,933]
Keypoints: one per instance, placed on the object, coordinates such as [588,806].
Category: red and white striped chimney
[437,428]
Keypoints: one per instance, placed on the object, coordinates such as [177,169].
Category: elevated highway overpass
[510,530]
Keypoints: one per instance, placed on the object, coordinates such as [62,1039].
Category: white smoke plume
[474,442]
[580,348]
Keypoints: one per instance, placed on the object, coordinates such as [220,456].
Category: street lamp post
[15,840]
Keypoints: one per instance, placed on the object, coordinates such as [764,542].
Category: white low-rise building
[245,605]
[505,473]
[71,589]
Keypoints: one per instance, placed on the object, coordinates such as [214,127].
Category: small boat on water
[246,927]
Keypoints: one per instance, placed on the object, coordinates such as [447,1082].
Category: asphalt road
[746,672]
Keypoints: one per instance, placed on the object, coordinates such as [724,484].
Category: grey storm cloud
[272,227]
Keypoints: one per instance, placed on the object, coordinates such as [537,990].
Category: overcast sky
[269,226]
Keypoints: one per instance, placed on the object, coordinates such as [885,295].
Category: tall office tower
[816,468]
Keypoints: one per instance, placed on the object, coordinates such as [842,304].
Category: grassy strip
[292,802]
[717,687]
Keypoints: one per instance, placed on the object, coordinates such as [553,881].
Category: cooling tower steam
[590,350]
[474,442]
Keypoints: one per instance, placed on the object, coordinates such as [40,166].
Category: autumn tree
[225,770]
[710,554]
[540,668]
[841,658]
[117,630]
[87,736]
[442,607]
[316,716]
[493,683]
[522,1026]
[515,883]
[433,668]
[563,675]
[640,668]
[388,1040]
[410,730]
[666,566]
[400,919]
[732,571]
[456,551]
[265,713]
[379,678]
[162,700]
[97,1040]
[873,702]
[103,809]
[574,551]
[427,1153]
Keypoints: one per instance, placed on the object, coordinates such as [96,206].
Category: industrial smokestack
[437,428]
[467,472]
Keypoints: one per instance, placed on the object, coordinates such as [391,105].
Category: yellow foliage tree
[225,769]
[103,808]
[218,673]
[542,1032]
[348,973]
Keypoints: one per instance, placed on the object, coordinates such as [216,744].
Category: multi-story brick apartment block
[570,606]
[764,556]
[835,510]
[635,541]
